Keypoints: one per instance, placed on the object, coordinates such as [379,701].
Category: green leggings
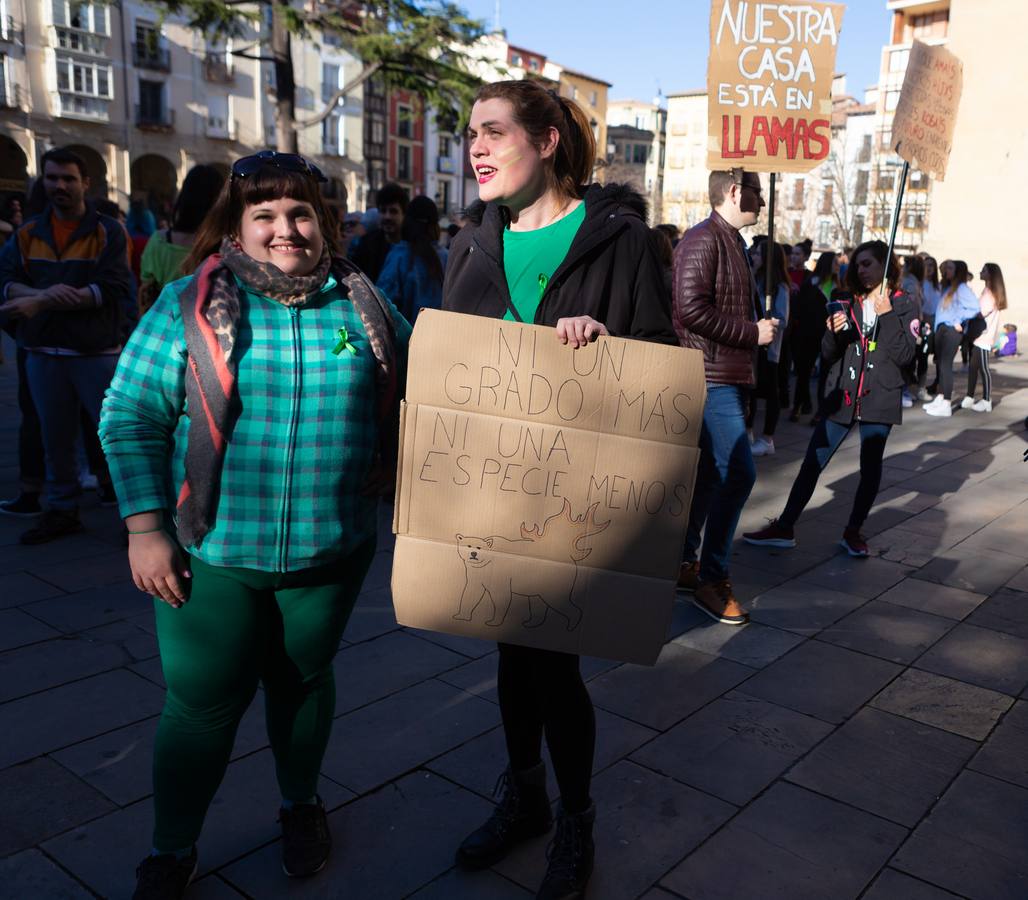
[242,627]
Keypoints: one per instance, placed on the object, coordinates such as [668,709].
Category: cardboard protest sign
[926,116]
[769,84]
[542,492]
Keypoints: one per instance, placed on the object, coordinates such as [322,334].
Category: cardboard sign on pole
[543,492]
[926,116]
[769,84]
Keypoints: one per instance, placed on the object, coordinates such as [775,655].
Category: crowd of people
[202,352]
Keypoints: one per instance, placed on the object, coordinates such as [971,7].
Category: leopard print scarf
[210,311]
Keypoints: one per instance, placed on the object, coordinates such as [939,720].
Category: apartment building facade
[975,214]
[143,99]
[685,201]
[635,149]
[922,20]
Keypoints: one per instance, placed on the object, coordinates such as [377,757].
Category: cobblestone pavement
[865,736]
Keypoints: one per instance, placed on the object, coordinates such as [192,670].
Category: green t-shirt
[531,257]
[162,260]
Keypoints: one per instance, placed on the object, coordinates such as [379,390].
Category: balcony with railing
[75,40]
[11,96]
[217,69]
[154,118]
[220,130]
[148,56]
[78,106]
[11,31]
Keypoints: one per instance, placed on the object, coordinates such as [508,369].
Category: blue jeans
[60,386]
[724,479]
[828,436]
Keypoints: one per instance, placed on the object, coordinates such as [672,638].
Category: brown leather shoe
[689,576]
[716,600]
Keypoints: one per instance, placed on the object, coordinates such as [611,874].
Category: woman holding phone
[869,341]
[550,249]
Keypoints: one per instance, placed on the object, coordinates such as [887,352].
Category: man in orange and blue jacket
[65,278]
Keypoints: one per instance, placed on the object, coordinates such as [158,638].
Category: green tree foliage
[424,47]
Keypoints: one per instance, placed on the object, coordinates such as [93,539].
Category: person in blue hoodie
[412,277]
[957,306]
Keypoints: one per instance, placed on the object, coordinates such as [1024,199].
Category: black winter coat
[611,271]
[807,317]
[876,374]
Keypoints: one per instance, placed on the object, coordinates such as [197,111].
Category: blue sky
[638,46]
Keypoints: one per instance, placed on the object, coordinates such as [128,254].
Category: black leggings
[804,361]
[925,351]
[947,343]
[772,408]
[979,363]
[825,441]
[542,690]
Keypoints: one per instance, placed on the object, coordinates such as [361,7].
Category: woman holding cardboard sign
[871,339]
[546,248]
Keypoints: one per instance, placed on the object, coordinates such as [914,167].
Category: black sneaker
[570,856]
[164,877]
[523,812]
[106,494]
[306,840]
[25,504]
[53,524]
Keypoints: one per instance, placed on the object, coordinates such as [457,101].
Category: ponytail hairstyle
[960,276]
[537,110]
[994,282]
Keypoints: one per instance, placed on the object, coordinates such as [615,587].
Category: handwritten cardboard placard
[926,116]
[769,84]
[542,492]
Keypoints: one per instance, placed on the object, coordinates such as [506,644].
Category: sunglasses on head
[288,162]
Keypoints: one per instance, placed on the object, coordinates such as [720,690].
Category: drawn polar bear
[496,567]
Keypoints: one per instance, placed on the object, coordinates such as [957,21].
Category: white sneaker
[983,406]
[764,447]
[922,394]
[967,403]
[907,400]
[940,406]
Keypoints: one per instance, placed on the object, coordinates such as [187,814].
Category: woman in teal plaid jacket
[249,416]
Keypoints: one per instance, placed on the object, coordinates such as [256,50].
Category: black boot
[523,812]
[570,856]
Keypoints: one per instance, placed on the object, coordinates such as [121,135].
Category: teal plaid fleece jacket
[291,487]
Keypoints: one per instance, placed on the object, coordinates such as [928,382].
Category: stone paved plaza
[865,736]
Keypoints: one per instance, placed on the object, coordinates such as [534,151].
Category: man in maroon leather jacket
[716,309]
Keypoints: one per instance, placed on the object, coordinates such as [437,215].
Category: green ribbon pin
[344,343]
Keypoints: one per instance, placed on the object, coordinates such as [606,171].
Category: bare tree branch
[333,101]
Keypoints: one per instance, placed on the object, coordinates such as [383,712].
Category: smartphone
[838,306]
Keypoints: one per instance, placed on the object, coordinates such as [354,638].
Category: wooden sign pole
[769,250]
